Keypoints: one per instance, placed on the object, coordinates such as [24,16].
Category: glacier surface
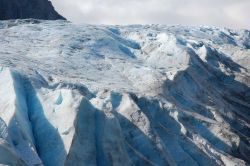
[123,95]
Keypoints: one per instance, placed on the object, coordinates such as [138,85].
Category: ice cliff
[123,95]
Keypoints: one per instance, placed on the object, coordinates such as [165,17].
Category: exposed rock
[23,9]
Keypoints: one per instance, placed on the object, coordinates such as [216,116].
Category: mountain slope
[123,95]
[23,9]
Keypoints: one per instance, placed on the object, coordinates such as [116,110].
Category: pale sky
[221,13]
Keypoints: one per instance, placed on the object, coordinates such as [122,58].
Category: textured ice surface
[123,95]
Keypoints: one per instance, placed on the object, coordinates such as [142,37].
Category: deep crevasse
[102,130]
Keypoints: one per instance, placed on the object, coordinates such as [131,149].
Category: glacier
[123,95]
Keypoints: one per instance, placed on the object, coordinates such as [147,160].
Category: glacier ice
[123,95]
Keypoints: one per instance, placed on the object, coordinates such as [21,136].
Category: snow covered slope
[123,95]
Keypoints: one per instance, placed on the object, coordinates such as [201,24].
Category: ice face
[123,95]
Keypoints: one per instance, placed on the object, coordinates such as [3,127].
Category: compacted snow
[123,95]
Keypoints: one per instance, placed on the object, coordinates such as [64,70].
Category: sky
[222,13]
